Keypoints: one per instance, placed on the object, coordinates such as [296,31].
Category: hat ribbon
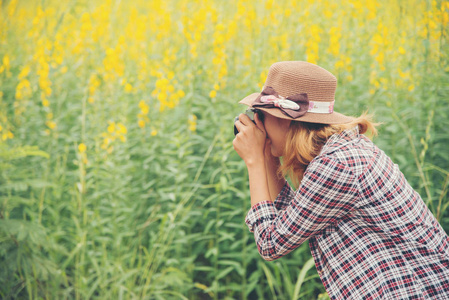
[293,106]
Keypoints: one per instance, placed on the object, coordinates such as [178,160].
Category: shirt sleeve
[327,192]
[285,197]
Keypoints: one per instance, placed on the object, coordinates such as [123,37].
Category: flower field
[118,179]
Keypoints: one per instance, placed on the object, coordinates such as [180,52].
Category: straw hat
[299,91]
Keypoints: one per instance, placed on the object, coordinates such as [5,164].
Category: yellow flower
[24,72]
[141,123]
[105,143]
[181,93]
[339,64]
[128,88]
[213,94]
[45,103]
[192,122]
[153,132]
[23,89]
[51,124]
[82,148]
[162,97]
[121,128]
[162,83]
[6,61]
[377,38]
[111,127]
[144,107]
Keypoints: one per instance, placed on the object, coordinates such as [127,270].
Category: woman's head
[297,101]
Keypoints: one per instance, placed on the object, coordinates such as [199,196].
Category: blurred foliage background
[118,179]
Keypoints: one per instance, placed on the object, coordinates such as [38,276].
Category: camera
[250,113]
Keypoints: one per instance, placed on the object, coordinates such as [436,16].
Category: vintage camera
[250,113]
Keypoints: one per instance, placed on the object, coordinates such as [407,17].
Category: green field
[118,178]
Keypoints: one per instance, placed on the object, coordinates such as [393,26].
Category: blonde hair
[305,140]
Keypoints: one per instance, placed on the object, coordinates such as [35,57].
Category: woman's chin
[275,153]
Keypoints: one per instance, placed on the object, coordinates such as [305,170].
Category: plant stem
[416,158]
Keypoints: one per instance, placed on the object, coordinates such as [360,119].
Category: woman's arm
[280,192]
[328,191]
[255,149]
[249,144]
[275,182]
[258,182]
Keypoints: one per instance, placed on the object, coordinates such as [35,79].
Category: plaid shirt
[370,234]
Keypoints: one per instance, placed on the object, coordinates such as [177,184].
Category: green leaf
[302,274]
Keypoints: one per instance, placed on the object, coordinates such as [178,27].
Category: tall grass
[118,179]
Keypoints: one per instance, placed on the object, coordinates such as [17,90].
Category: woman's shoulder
[350,148]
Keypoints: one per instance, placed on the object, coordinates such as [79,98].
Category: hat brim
[332,118]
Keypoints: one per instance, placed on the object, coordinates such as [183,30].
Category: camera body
[250,113]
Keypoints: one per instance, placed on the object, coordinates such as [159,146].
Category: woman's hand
[249,143]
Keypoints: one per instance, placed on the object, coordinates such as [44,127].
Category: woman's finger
[239,125]
[245,119]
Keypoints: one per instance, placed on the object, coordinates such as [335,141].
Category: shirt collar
[339,139]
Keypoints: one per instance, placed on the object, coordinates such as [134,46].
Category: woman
[370,233]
